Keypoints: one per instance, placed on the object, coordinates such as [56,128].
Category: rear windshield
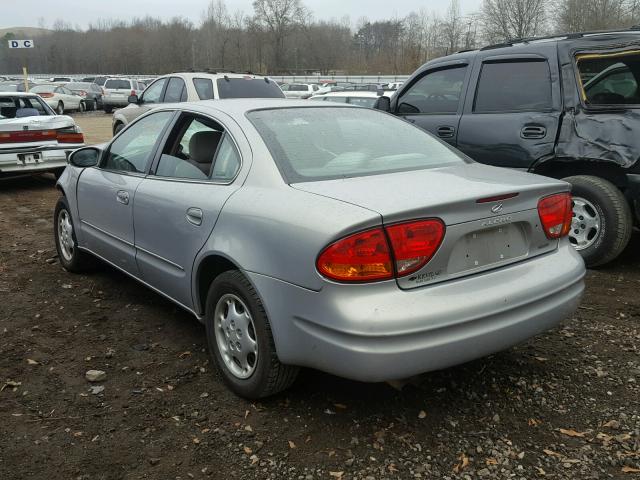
[124,84]
[298,88]
[43,88]
[78,86]
[610,79]
[20,107]
[317,143]
[248,88]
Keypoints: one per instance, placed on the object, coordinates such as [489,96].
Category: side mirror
[133,99]
[85,157]
[383,103]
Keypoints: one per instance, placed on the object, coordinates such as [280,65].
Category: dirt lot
[564,405]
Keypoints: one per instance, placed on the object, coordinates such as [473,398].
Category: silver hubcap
[65,235]
[585,225]
[236,336]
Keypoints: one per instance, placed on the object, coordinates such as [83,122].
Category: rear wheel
[82,107]
[60,108]
[108,109]
[240,339]
[602,221]
[71,258]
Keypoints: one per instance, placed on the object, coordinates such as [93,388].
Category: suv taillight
[382,253]
[556,212]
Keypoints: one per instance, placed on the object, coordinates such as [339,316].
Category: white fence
[278,78]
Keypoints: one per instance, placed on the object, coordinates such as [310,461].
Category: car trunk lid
[490,214]
[29,131]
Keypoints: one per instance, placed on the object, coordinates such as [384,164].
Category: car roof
[350,93]
[17,94]
[238,107]
[213,76]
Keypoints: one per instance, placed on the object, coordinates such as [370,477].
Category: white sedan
[60,98]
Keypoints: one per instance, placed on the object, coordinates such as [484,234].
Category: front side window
[132,150]
[190,150]
[437,92]
[152,94]
[204,88]
[521,86]
[320,143]
[176,91]
[610,79]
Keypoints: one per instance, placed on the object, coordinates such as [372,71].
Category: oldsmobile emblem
[497,208]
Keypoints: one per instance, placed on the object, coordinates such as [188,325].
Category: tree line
[284,37]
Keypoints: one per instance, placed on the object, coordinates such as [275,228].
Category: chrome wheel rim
[65,235]
[586,224]
[236,336]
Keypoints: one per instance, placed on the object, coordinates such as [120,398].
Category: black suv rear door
[512,111]
[433,99]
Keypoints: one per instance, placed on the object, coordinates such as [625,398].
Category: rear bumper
[51,158]
[115,101]
[378,332]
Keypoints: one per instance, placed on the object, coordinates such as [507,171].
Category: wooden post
[26,79]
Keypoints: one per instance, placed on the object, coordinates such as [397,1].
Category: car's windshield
[21,107]
[318,143]
[117,84]
[43,88]
[610,79]
[248,88]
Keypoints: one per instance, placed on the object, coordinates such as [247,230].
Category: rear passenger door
[512,117]
[178,204]
[433,101]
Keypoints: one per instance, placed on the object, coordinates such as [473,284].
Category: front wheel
[602,220]
[240,339]
[71,258]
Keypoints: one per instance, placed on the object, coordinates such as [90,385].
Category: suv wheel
[240,341]
[602,221]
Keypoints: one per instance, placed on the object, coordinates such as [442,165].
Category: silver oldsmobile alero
[324,236]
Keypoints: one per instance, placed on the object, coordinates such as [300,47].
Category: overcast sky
[26,13]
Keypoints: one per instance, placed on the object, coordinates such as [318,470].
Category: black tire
[269,376]
[78,261]
[616,221]
[108,108]
[92,105]
[60,108]
[118,128]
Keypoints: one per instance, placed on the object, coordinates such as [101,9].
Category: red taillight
[360,257]
[555,213]
[70,135]
[367,256]
[83,93]
[46,95]
[27,136]
[414,243]
[133,92]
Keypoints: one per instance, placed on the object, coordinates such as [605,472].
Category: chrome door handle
[194,216]
[533,131]
[123,197]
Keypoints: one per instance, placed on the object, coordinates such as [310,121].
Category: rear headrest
[203,145]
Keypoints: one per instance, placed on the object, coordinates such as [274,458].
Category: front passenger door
[106,193]
[150,97]
[434,101]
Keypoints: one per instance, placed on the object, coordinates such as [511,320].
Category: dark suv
[565,107]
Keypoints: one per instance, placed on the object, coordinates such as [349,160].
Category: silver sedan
[323,236]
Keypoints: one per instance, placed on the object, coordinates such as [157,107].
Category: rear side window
[436,93]
[204,88]
[514,87]
[610,79]
[176,91]
[118,84]
[248,88]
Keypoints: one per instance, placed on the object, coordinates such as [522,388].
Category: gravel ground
[564,405]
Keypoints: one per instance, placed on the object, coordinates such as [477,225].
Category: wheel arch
[116,124]
[560,168]
[206,271]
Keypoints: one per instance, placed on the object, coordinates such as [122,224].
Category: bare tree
[505,19]
[279,17]
[452,27]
